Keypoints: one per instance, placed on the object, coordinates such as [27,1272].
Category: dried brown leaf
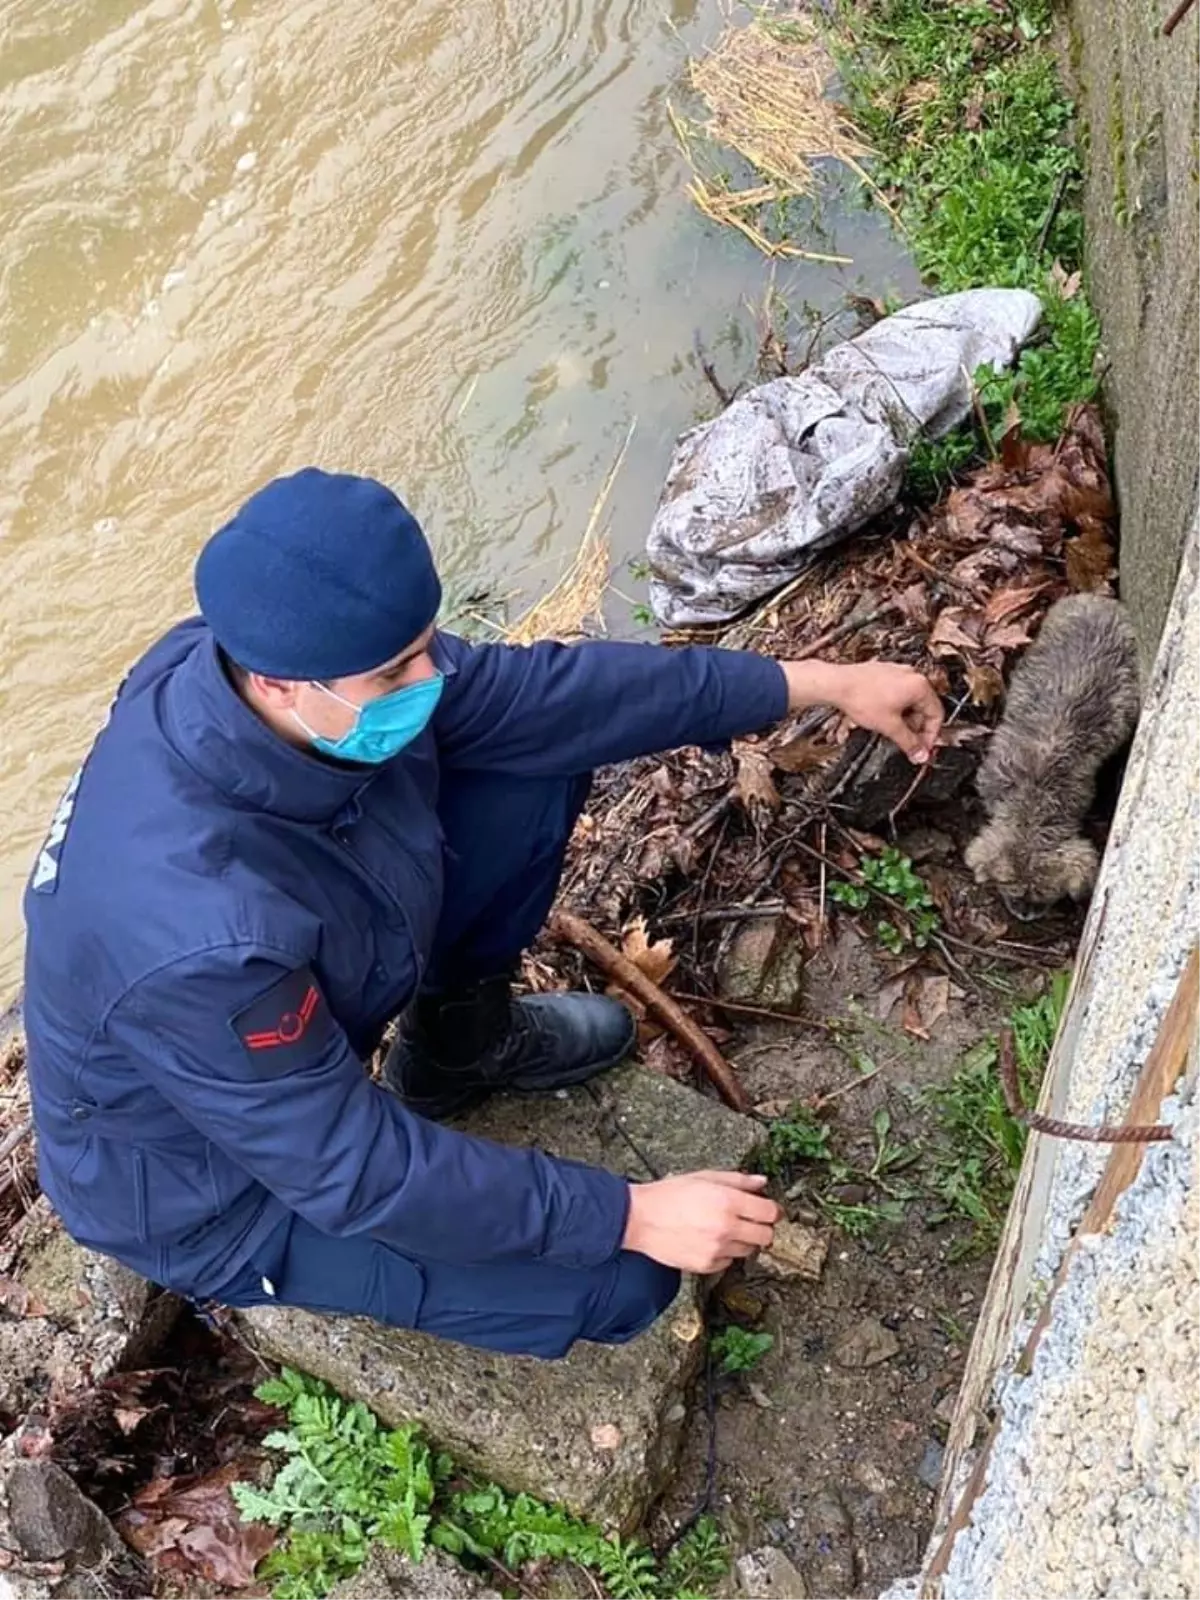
[656,960]
[1014,451]
[939,679]
[666,1056]
[950,635]
[888,997]
[803,754]
[1067,283]
[933,1000]
[1006,636]
[754,785]
[1019,537]
[913,603]
[1008,602]
[128,1418]
[148,1534]
[193,1526]
[984,684]
[910,1017]
[1089,558]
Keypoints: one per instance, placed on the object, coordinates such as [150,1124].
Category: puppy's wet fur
[1072,704]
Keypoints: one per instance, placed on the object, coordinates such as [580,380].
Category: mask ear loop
[333,694]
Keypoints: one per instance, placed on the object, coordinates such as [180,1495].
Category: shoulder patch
[292,1013]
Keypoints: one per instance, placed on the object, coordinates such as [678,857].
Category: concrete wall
[1137,98]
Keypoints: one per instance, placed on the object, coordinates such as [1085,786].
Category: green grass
[973,133]
[346,1481]
[980,1146]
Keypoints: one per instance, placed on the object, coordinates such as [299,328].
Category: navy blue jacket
[219,925]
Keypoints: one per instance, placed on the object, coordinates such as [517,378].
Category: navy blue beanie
[319,575]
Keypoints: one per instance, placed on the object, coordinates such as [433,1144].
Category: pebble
[930,1470]
[866,1344]
[767,1574]
[247,162]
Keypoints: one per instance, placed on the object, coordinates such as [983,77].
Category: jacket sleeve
[552,710]
[247,1051]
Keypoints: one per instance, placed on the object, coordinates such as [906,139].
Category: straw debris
[764,86]
[574,606]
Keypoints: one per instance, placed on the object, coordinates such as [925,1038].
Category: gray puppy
[1073,702]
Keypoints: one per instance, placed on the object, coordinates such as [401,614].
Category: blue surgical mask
[382,727]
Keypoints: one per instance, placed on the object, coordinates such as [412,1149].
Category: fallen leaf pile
[672,846]
[191,1526]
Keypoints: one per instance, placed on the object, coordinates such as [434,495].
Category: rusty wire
[1101,1133]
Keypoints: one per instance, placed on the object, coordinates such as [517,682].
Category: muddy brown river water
[444,242]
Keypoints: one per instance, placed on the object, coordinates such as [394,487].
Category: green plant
[981,1145]
[797,1137]
[738,1350]
[347,1481]
[698,1562]
[643,615]
[891,874]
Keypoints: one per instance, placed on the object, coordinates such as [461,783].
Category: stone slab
[93,1315]
[389,1575]
[55,1543]
[600,1430]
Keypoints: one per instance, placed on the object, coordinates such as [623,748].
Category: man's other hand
[701,1221]
[889,699]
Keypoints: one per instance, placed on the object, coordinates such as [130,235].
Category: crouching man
[310,812]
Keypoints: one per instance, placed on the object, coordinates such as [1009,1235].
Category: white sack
[799,463]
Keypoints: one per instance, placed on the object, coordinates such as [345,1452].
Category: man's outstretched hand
[889,699]
[700,1221]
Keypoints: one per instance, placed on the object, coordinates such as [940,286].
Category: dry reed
[764,86]
[578,596]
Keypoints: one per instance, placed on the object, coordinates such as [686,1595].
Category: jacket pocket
[142,1192]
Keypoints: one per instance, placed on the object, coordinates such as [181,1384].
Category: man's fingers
[749,1181]
[908,739]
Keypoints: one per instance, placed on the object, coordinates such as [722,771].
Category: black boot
[459,1046]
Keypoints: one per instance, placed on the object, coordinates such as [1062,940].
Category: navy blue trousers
[505,840]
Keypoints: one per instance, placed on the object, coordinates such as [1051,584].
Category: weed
[981,1145]
[348,1481]
[643,615]
[797,1137]
[891,874]
[964,106]
[738,1350]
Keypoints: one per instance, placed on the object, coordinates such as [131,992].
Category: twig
[710,372]
[981,416]
[1099,1133]
[821,902]
[922,773]
[855,1083]
[696,830]
[842,631]
[14,1136]
[1056,200]
[574,930]
[704,882]
[754,1011]
[727,912]
[1177,17]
